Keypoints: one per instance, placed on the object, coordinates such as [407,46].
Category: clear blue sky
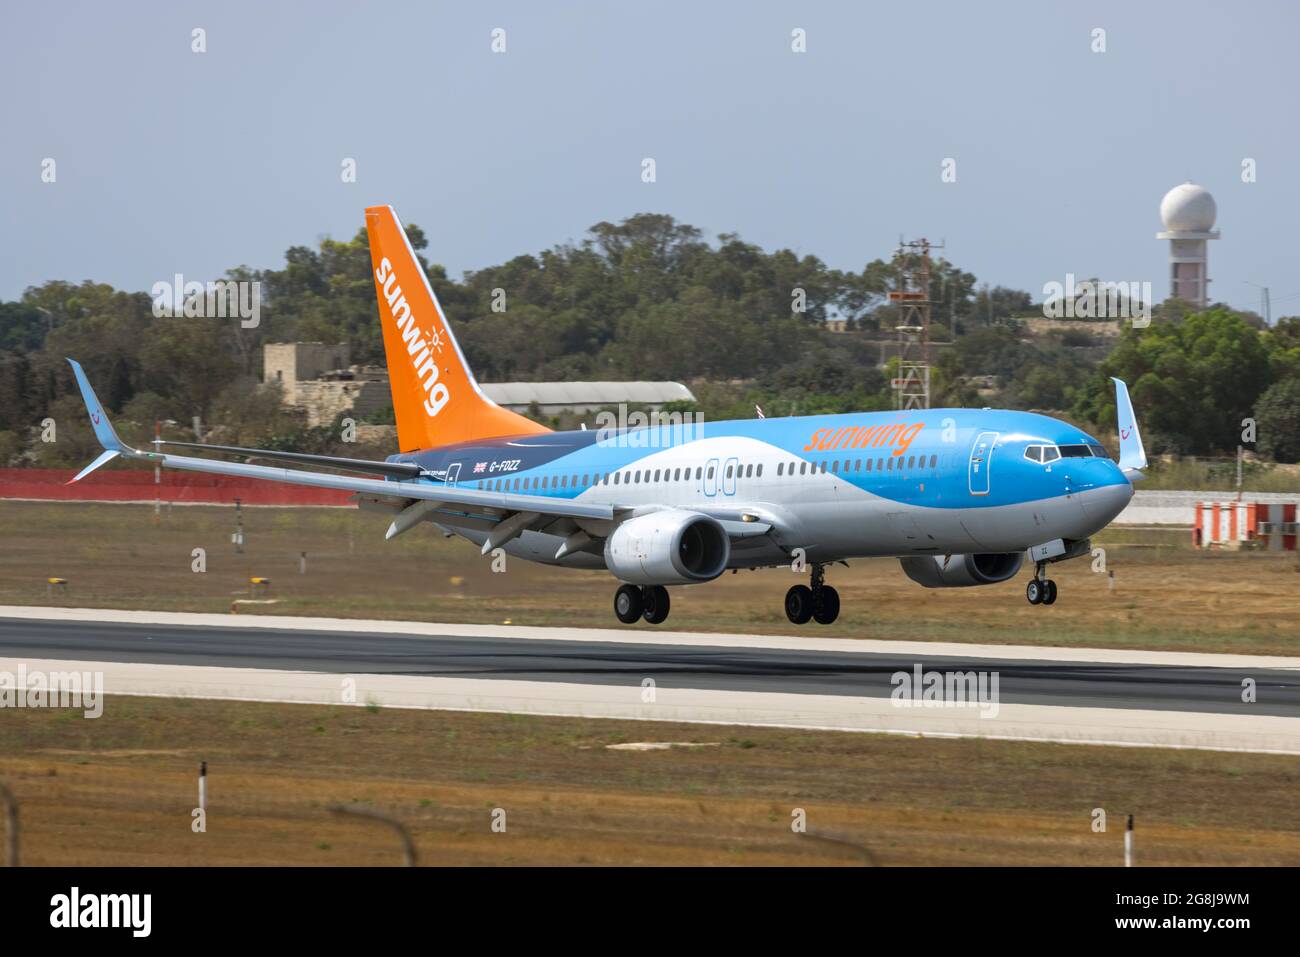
[171,161]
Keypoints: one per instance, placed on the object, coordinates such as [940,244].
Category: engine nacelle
[672,547]
[959,571]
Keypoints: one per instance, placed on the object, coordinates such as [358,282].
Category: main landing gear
[650,603]
[1041,590]
[819,602]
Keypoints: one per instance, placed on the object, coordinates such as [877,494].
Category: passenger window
[868,465]
[729,471]
[760,469]
[749,471]
[911,461]
[934,460]
[656,475]
[780,469]
[710,471]
[835,467]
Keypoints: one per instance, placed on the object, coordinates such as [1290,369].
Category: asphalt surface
[1073,684]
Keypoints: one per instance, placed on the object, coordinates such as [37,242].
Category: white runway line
[648,636]
[1043,723]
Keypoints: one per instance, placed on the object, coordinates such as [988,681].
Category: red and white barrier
[1271,526]
[138,485]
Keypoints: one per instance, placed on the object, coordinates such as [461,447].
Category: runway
[1121,697]
[1081,683]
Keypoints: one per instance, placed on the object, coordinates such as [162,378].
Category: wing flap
[393,469]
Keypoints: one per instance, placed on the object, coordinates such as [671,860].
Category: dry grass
[1166,595]
[120,790]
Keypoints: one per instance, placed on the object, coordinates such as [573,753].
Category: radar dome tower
[1188,212]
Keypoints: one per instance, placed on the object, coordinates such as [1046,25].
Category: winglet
[103,458]
[1132,456]
[98,420]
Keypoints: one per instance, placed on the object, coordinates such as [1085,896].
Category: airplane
[961,497]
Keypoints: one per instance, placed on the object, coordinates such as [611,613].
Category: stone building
[321,380]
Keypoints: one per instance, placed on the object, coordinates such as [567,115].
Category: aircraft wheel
[1049,597]
[799,604]
[627,604]
[654,599]
[1034,591]
[830,606]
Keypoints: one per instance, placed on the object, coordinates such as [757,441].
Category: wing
[416,497]
[409,495]
[397,470]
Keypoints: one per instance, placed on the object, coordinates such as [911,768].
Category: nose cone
[1102,505]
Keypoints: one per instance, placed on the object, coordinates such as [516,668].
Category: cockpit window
[1050,453]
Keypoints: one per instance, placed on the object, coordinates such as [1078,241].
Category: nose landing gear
[819,602]
[1041,590]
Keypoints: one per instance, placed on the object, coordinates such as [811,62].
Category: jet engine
[670,547]
[959,571]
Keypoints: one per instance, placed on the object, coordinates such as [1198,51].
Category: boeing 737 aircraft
[960,496]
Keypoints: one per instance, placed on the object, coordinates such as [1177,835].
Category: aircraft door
[981,454]
[711,477]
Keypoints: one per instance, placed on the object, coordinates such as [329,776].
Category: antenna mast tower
[912,385]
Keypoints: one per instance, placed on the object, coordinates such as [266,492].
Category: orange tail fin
[435,397]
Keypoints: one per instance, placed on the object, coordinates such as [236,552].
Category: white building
[1188,212]
[551,398]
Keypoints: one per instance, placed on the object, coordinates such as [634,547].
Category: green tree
[1277,419]
[1192,380]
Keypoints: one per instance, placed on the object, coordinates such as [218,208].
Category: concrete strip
[1044,723]
[1172,508]
[648,636]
